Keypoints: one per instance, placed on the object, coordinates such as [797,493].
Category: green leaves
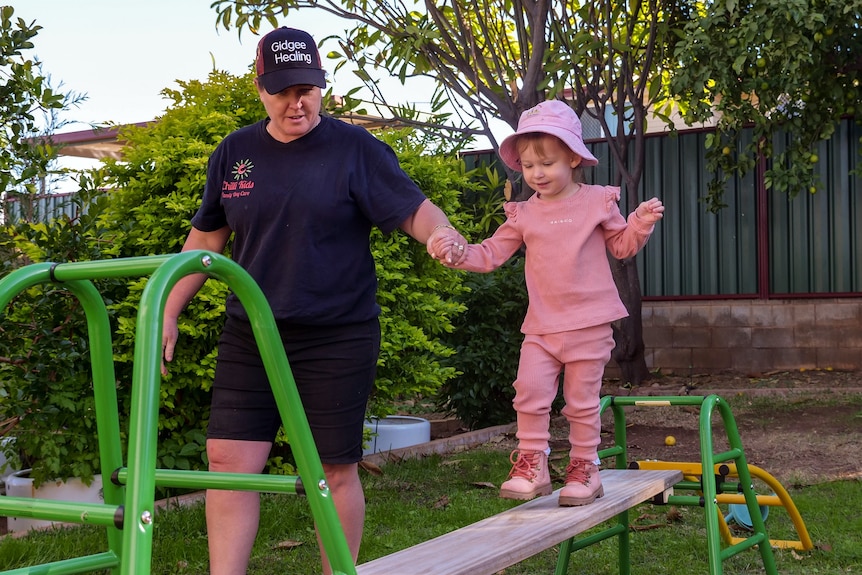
[155,191]
[788,66]
[488,342]
[418,296]
[44,370]
[28,103]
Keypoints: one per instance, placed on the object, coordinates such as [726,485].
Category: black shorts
[334,369]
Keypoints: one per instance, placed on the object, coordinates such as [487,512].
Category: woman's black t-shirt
[301,214]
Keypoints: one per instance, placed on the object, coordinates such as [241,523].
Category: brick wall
[752,336]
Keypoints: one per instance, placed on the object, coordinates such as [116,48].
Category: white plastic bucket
[19,484]
[395,432]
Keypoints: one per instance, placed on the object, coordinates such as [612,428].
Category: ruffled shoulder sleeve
[612,197]
[511,209]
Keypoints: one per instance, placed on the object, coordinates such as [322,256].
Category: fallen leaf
[371,468]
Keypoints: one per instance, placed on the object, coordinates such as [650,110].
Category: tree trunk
[628,332]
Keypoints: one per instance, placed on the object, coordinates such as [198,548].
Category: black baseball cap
[287,57]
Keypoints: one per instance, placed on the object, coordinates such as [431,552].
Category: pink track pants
[582,355]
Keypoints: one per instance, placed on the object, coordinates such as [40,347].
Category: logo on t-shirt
[242,169]
[241,186]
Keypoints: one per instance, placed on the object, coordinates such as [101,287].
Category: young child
[568,229]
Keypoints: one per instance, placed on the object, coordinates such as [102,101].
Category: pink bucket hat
[552,117]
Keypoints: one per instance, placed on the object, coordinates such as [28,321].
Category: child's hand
[455,256]
[650,211]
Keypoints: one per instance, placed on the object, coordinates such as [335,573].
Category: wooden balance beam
[500,541]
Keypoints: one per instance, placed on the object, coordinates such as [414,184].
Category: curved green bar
[104,381]
[144,417]
[130,501]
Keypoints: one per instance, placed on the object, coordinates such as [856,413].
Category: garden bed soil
[801,427]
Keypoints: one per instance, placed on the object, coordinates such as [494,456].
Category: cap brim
[275,82]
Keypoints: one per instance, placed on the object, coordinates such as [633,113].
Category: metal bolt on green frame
[128,512]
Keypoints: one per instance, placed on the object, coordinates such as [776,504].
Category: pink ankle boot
[529,476]
[583,484]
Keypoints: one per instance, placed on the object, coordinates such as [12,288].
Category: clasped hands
[447,246]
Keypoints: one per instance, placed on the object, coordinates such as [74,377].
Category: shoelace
[522,465]
[576,472]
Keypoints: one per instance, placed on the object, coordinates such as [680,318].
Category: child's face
[547,165]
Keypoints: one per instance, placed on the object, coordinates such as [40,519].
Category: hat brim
[510,156]
[279,80]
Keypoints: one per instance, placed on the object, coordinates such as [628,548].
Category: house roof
[97,143]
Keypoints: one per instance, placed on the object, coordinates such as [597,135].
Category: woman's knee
[237,456]
[339,475]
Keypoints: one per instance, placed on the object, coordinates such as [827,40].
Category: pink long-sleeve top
[569,280]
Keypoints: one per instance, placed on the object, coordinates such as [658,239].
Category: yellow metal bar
[781,498]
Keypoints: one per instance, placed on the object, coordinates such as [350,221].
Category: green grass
[416,500]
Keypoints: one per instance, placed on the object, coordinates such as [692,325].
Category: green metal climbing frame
[128,511]
[709,487]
